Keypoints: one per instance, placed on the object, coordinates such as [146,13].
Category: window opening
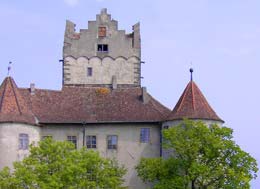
[102,31]
[102,48]
[91,141]
[73,140]
[145,135]
[23,141]
[112,142]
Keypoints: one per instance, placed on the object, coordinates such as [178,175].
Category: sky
[219,39]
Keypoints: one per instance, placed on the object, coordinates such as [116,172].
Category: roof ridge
[193,96]
[15,96]
[155,106]
[182,98]
[2,97]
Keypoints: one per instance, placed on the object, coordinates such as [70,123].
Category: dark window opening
[102,48]
[89,71]
[91,142]
[166,127]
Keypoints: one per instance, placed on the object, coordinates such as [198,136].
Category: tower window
[89,72]
[102,32]
[145,135]
[102,48]
[23,141]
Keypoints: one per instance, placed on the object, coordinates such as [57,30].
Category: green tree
[200,157]
[54,164]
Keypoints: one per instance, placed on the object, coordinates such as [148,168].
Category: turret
[193,105]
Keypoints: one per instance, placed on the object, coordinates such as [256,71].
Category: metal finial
[191,70]
[9,68]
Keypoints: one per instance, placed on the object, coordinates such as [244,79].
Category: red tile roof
[193,105]
[78,104]
[13,107]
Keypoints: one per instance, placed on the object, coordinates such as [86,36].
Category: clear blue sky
[221,39]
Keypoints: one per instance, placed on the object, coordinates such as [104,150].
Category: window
[102,48]
[111,142]
[23,141]
[165,127]
[91,141]
[72,139]
[89,71]
[145,135]
[102,32]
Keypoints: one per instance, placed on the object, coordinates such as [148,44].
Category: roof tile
[13,107]
[193,105]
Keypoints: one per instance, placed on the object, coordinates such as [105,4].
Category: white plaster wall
[9,141]
[75,70]
[129,151]
[177,122]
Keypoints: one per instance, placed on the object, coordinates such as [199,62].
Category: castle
[101,106]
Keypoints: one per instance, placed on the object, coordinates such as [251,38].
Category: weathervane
[191,70]
[9,68]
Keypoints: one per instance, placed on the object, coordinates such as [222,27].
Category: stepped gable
[13,107]
[193,105]
[94,105]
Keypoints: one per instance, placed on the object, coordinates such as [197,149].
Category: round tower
[192,105]
[18,125]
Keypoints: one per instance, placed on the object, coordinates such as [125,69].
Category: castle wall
[9,142]
[103,70]
[129,150]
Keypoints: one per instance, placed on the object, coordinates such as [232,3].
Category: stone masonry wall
[103,70]
[122,47]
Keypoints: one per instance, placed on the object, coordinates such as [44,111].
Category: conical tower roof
[193,105]
[13,107]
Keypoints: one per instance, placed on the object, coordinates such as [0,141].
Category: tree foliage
[200,157]
[54,164]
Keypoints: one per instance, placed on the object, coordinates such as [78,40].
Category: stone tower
[102,55]
[191,105]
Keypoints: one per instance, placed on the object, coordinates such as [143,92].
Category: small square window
[145,135]
[89,72]
[112,142]
[72,139]
[165,127]
[23,141]
[91,141]
[102,32]
[102,48]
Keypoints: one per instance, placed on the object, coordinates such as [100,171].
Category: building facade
[101,106]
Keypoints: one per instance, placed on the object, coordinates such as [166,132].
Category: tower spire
[191,71]
[9,68]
